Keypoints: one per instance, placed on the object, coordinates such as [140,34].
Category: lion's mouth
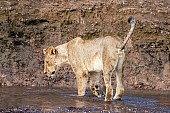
[52,76]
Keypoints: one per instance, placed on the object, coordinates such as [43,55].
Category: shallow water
[43,99]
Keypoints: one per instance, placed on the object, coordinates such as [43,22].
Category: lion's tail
[132,22]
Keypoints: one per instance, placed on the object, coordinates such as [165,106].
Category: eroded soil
[28,26]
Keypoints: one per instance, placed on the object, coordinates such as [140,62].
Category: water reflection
[65,99]
[79,103]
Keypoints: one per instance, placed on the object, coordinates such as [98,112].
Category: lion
[88,58]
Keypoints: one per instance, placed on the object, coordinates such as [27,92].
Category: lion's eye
[47,62]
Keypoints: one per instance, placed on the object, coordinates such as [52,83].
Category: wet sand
[60,100]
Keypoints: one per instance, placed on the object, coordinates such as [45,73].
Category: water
[61,100]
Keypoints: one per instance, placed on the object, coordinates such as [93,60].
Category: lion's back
[90,52]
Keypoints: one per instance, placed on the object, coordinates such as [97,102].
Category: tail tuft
[131,20]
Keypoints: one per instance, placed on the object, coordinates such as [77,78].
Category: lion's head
[50,66]
[55,57]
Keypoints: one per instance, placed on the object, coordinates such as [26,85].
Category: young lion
[88,58]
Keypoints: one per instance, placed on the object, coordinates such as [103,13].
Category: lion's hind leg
[94,83]
[119,87]
[119,76]
[109,89]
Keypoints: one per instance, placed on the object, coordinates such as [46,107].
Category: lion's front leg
[82,83]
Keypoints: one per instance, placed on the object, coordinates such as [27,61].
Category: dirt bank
[26,27]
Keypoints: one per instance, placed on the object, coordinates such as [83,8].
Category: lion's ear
[52,50]
[56,51]
[44,51]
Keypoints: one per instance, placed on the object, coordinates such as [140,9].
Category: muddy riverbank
[44,99]
[28,26]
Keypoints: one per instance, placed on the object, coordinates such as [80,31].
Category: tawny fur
[88,58]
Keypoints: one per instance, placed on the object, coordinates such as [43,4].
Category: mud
[28,26]
[44,99]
